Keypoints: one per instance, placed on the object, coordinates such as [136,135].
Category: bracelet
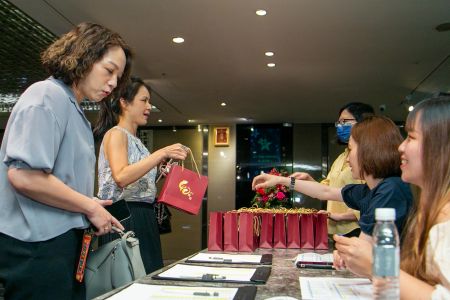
[292,185]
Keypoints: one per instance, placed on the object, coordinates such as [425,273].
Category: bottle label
[386,261]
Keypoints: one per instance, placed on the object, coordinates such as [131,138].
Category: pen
[220,258]
[315,266]
[206,294]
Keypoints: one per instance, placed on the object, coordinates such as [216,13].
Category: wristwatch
[292,185]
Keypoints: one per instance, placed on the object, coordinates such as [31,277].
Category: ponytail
[107,116]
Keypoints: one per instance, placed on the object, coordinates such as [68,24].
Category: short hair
[358,110]
[378,139]
[72,56]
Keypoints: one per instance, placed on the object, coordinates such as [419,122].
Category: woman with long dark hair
[127,170]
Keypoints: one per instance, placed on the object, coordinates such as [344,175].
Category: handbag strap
[192,162]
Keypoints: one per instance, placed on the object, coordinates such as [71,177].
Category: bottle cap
[385,214]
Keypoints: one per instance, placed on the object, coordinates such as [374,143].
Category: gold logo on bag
[185,190]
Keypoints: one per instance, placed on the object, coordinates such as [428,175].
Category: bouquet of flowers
[274,196]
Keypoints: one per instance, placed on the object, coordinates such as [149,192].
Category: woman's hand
[356,254]
[176,151]
[265,180]
[338,262]
[302,176]
[102,219]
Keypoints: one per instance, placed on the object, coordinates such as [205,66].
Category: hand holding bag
[184,189]
[113,265]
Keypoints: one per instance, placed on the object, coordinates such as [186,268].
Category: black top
[391,192]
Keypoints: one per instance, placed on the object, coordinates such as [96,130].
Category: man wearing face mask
[343,220]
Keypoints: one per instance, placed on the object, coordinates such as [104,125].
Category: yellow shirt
[339,176]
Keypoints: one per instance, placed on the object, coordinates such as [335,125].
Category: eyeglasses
[344,122]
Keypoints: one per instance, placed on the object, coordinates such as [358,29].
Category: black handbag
[163,216]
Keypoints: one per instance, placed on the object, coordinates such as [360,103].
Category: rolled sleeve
[34,139]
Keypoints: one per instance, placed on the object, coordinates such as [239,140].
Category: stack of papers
[227,258]
[326,288]
[138,291]
[314,260]
[219,274]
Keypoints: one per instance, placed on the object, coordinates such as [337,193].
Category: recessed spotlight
[178,40]
[410,108]
[271,65]
[243,119]
[268,53]
[160,121]
[223,104]
[261,12]
[191,121]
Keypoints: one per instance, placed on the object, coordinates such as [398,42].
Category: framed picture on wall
[221,136]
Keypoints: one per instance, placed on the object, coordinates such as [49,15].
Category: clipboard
[219,258]
[139,291]
[186,272]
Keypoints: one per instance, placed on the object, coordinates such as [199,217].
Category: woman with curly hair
[48,169]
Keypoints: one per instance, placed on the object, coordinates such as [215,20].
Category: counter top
[283,280]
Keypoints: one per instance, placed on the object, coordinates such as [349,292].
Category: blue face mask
[343,132]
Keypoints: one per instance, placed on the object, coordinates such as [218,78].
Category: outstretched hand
[266,180]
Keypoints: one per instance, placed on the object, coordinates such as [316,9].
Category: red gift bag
[293,230]
[230,231]
[307,231]
[248,239]
[184,189]
[215,231]
[266,234]
[279,231]
[320,232]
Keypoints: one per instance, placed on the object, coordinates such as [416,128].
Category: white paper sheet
[196,272]
[326,288]
[138,291]
[315,257]
[232,258]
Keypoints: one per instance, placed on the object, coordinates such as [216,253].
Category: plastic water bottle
[386,256]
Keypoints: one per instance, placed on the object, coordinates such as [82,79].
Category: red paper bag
[230,232]
[320,232]
[307,231]
[266,234]
[279,231]
[247,232]
[215,231]
[183,189]
[293,230]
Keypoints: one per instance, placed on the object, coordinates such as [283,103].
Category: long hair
[110,108]
[378,139]
[433,117]
[72,56]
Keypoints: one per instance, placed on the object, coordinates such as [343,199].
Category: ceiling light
[191,121]
[160,121]
[261,12]
[178,40]
[174,129]
[243,119]
[199,128]
[269,53]
[271,65]
[410,108]
[223,104]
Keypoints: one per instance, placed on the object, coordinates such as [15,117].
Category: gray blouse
[144,189]
[47,131]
